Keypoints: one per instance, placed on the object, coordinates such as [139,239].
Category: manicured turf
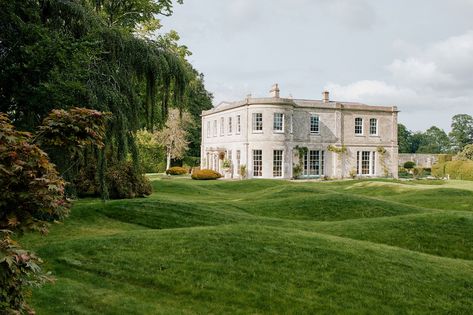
[265,246]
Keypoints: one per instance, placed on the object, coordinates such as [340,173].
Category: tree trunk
[168,160]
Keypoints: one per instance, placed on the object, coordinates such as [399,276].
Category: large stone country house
[275,137]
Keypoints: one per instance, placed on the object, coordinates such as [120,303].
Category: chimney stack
[326,96]
[275,91]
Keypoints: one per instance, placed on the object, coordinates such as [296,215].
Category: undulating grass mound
[266,247]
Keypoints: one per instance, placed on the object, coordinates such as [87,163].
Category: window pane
[278,121]
[365,162]
[222,126]
[238,124]
[257,121]
[314,124]
[238,157]
[358,126]
[277,163]
[373,126]
[314,163]
[230,125]
[257,163]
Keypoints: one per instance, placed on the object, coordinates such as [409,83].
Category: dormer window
[358,126]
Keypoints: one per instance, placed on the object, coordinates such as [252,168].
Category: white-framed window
[222,126]
[230,126]
[257,122]
[277,163]
[215,128]
[278,122]
[314,123]
[366,162]
[238,126]
[209,132]
[292,124]
[230,158]
[373,127]
[257,163]
[358,126]
[238,160]
[314,163]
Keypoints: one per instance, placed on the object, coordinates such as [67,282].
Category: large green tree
[404,139]
[462,131]
[434,140]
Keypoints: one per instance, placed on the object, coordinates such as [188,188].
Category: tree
[404,139]
[31,194]
[466,154]
[130,14]
[173,137]
[434,140]
[462,131]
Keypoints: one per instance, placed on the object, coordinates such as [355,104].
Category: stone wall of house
[336,128]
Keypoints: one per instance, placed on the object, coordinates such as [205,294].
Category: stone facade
[271,136]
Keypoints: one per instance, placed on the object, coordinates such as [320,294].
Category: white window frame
[257,163]
[215,128]
[314,163]
[222,126]
[278,163]
[314,124]
[375,127]
[209,131]
[278,122]
[238,126]
[238,159]
[370,167]
[257,122]
[230,125]
[358,126]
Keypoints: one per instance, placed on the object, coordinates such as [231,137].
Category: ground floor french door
[314,163]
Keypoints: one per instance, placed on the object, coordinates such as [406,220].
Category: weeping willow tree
[67,53]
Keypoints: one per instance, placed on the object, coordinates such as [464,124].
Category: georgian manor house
[283,138]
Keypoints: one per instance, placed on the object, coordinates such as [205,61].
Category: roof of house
[298,103]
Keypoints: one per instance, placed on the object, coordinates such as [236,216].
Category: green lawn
[265,247]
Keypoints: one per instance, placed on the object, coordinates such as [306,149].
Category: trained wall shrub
[176,170]
[206,175]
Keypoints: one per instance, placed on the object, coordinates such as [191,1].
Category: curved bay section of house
[275,137]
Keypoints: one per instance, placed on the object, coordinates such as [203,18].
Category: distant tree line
[436,140]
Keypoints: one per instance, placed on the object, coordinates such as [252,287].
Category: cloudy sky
[416,54]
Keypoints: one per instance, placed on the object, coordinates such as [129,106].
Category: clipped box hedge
[455,169]
[176,170]
[206,175]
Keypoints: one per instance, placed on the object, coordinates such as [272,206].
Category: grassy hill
[262,246]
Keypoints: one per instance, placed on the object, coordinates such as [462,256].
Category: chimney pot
[275,91]
[326,96]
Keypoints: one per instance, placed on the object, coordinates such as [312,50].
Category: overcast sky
[416,54]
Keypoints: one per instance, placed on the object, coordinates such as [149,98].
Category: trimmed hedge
[176,170]
[444,158]
[455,169]
[206,175]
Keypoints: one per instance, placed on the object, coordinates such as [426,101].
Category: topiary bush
[409,165]
[206,175]
[124,182]
[176,170]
